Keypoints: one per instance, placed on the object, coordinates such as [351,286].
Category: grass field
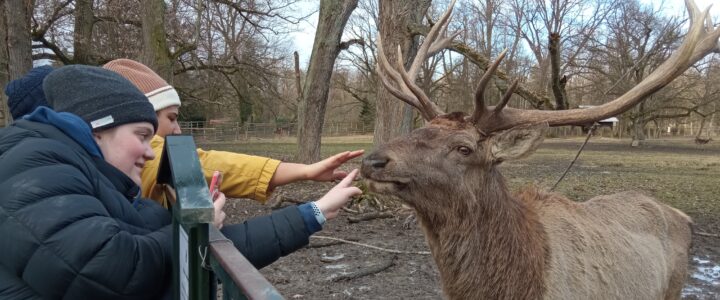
[676,172]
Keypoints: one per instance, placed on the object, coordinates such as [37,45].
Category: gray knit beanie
[101,97]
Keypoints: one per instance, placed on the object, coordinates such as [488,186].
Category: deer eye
[464,150]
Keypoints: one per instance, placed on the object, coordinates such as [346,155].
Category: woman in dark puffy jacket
[72,224]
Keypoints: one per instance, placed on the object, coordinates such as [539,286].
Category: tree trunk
[82,36]
[19,45]
[5,117]
[334,14]
[702,126]
[558,82]
[711,128]
[156,53]
[298,76]
[16,54]
[396,17]
[638,125]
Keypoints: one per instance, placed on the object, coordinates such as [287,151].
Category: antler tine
[430,39]
[701,39]
[397,93]
[429,109]
[406,89]
[415,97]
[480,108]
[506,97]
[443,43]
[712,34]
[385,66]
[385,70]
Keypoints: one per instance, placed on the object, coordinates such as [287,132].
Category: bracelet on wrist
[319,216]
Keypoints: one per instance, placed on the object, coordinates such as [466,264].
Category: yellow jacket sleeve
[244,176]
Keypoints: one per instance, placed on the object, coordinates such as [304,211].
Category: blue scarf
[70,124]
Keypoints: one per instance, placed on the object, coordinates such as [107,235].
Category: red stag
[489,243]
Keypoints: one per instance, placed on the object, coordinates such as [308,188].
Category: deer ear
[517,142]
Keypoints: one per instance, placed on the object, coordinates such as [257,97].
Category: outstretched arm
[324,170]
[264,239]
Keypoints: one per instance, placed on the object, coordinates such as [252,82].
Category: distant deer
[702,141]
[489,243]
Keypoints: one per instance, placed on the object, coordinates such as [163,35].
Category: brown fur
[489,244]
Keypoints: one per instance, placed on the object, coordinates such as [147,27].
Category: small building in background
[610,122]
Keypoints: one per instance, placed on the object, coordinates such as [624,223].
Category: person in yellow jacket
[244,176]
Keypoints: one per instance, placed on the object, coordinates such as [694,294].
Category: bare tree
[234,65]
[557,32]
[331,23]
[638,39]
[362,26]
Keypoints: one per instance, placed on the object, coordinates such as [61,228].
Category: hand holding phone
[215,184]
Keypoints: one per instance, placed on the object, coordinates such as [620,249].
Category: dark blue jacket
[68,225]
[72,228]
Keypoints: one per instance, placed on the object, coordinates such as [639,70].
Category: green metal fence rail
[200,251]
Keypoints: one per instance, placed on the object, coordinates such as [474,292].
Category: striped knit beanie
[158,91]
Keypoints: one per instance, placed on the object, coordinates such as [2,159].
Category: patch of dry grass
[676,172]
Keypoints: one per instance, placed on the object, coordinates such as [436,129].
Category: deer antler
[701,40]
[480,108]
[401,83]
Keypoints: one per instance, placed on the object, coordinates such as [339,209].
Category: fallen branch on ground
[364,272]
[707,234]
[350,210]
[370,246]
[370,216]
[328,244]
[282,199]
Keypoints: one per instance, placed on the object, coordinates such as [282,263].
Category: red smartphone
[215,182]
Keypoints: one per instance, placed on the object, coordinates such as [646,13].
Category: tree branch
[117,20]
[58,12]
[55,49]
[345,45]
[483,62]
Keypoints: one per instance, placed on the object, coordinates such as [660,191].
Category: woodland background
[233,61]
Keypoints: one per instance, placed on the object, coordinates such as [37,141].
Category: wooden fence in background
[235,131]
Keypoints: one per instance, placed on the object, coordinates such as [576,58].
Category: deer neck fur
[489,243]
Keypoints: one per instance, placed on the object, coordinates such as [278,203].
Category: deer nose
[375,161]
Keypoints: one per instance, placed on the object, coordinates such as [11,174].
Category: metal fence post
[199,247]
[192,213]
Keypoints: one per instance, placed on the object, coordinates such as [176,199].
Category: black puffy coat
[68,225]
[71,230]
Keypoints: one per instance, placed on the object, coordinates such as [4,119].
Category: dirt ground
[328,269]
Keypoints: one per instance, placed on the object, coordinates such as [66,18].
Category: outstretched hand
[338,196]
[326,169]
